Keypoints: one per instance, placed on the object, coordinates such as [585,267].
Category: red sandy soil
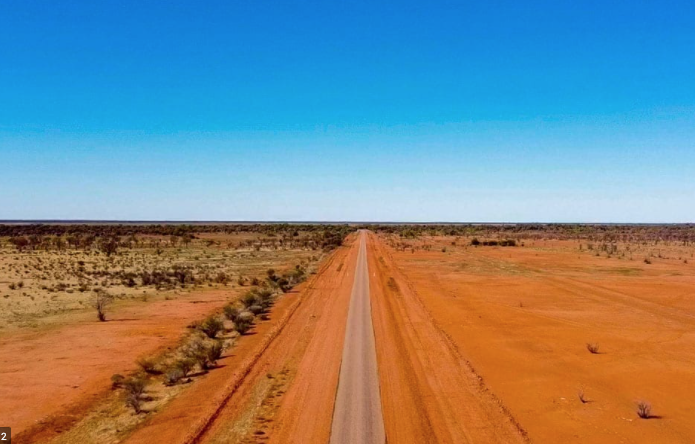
[429,393]
[473,345]
[522,317]
[49,378]
[302,343]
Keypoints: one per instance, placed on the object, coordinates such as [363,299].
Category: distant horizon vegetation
[315,222]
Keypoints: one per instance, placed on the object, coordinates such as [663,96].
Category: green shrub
[211,326]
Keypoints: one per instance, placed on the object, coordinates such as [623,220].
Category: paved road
[357,417]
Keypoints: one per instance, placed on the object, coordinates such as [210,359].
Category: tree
[100,300]
[109,246]
[20,242]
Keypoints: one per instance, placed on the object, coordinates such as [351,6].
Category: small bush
[100,300]
[256,309]
[644,410]
[185,366]
[211,326]
[593,348]
[244,322]
[582,397]
[173,375]
[214,352]
[198,351]
[117,381]
[135,386]
[251,298]
[148,365]
[135,402]
[231,312]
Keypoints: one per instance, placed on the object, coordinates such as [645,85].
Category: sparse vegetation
[101,299]
[134,391]
[173,375]
[60,266]
[582,397]
[644,409]
[212,326]
[149,366]
[117,381]
[243,322]
[185,365]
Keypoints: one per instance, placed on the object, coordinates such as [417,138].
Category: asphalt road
[357,417]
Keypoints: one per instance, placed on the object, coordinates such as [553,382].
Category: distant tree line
[593,232]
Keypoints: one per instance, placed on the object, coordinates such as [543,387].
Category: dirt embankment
[429,392]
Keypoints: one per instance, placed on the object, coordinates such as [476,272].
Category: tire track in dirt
[429,392]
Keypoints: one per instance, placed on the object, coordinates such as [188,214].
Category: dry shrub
[135,388]
[149,366]
[100,300]
[243,322]
[214,352]
[205,355]
[582,396]
[256,309]
[117,381]
[134,401]
[211,326]
[644,410]
[593,347]
[173,375]
[231,312]
[185,365]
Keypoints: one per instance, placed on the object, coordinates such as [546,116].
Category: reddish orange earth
[48,379]
[429,393]
[479,345]
[522,317]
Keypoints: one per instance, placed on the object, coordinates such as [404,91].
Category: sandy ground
[295,358]
[429,393]
[473,345]
[522,317]
[56,360]
[49,378]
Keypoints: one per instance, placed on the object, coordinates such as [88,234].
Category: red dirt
[473,345]
[303,338]
[428,392]
[48,379]
[522,317]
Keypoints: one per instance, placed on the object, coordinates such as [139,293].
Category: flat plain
[482,333]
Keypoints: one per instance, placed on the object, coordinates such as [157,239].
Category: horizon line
[307,222]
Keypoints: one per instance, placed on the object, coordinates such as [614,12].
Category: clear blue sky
[402,111]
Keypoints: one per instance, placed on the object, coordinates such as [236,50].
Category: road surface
[357,417]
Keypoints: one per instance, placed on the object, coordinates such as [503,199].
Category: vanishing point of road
[357,417]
